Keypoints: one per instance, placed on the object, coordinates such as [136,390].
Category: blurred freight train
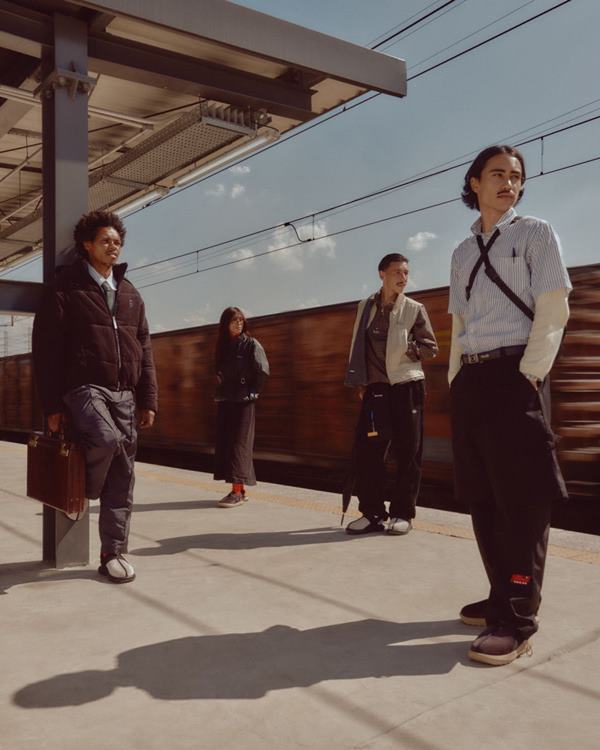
[306,417]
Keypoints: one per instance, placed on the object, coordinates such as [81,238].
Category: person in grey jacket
[392,334]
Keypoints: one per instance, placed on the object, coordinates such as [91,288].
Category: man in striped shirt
[509,303]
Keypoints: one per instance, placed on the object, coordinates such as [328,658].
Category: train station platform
[266,627]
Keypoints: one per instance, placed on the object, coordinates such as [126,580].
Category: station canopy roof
[175,89]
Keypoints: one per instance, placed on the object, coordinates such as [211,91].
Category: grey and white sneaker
[233,500]
[364,525]
[398,526]
[116,568]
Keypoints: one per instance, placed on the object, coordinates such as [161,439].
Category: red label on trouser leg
[519,578]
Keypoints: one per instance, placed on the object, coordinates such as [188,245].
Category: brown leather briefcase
[56,473]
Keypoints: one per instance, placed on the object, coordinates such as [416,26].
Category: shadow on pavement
[17,574]
[249,665]
[167,505]
[250,540]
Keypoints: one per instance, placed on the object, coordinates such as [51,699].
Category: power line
[473,33]
[377,193]
[348,108]
[393,28]
[423,26]
[359,226]
[490,39]
[413,24]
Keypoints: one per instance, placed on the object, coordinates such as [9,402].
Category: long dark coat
[243,373]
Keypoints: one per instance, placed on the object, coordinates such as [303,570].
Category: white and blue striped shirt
[528,258]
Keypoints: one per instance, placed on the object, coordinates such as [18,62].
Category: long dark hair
[469,198]
[223,337]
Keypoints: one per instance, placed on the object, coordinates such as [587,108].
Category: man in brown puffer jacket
[92,360]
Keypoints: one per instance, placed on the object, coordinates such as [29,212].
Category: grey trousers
[104,423]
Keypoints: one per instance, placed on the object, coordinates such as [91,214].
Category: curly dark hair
[223,338]
[87,227]
[469,198]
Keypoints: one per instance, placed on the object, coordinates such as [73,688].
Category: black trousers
[395,412]
[104,423]
[506,471]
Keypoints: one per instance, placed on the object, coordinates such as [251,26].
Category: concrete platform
[266,627]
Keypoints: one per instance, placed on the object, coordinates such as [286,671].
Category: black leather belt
[503,351]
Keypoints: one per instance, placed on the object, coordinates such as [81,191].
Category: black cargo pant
[395,412]
[506,471]
[104,423]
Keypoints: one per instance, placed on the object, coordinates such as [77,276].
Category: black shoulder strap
[492,274]
[483,253]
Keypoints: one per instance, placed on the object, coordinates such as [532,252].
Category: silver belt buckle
[472,359]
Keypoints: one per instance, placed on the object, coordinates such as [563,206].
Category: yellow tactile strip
[567,553]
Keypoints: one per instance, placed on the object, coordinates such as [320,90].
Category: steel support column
[65,157]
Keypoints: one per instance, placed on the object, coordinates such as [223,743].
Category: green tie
[110,296]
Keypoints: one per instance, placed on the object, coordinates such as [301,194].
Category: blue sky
[516,83]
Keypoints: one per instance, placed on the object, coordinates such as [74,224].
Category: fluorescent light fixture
[142,201]
[236,153]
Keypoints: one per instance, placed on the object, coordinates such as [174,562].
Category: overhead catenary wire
[348,107]
[413,24]
[377,193]
[422,26]
[357,227]
[393,28]
[230,245]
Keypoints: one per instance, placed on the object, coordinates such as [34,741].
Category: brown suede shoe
[498,646]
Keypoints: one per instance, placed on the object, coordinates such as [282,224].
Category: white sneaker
[364,525]
[398,526]
[117,569]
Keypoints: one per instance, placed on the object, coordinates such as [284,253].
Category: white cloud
[220,191]
[157,328]
[292,258]
[199,317]
[305,304]
[326,245]
[240,169]
[241,254]
[217,192]
[419,241]
[289,258]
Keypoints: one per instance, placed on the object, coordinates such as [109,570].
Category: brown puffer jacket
[75,341]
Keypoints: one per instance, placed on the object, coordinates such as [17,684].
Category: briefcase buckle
[33,441]
[64,450]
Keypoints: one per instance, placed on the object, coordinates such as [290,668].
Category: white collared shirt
[527,256]
[99,278]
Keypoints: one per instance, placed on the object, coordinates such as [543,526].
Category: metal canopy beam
[19,297]
[65,162]
[25,23]
[149,65]
[140,63]
[256,33]
[235,27]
